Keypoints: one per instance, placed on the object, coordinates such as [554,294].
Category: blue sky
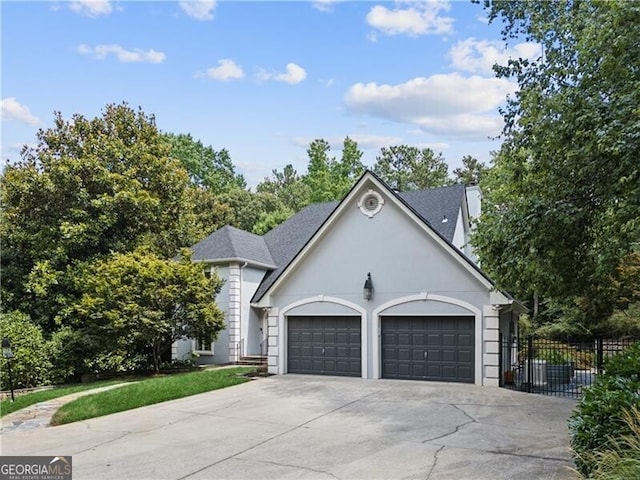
[262,79]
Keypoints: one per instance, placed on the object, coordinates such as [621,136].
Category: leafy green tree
[30,365]
[89,187]
[207,167]
[471,171]
[141,303]
[563,201]
[247,208]
[405,168]
[269,220]
[328,178]
[71,354]
[318,178]
[210,211]
[349,169]
[287,186]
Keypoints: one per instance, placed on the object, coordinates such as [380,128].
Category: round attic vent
[370,203]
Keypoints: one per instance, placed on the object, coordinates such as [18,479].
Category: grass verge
[28,399]
[149,392]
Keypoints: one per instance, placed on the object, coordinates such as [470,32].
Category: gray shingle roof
[230,242]
[437,204]
[286,240]
[280,246]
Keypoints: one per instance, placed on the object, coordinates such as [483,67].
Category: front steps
[253,360]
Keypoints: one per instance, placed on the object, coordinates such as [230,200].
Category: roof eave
[249,262]
[265,297]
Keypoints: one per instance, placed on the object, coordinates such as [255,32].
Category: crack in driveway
[457,427]
[512,454]
[302,425]
[435,461]
[289,466]
[359,433]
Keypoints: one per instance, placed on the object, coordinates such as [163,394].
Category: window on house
[204,344]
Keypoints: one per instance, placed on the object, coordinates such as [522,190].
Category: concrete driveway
[308,427]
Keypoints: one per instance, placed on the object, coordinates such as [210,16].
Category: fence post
[599,348]
[529,362]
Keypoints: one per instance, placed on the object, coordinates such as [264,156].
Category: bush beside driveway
[298,426]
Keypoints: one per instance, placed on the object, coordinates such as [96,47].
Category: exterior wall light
[367,291]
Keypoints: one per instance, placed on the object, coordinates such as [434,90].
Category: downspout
[241,310]
[265,334]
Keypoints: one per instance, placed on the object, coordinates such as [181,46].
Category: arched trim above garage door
[428,297]
[282,329]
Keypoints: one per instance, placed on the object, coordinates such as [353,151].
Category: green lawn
[149,392]
[28,399]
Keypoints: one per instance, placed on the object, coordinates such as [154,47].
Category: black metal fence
[550,367]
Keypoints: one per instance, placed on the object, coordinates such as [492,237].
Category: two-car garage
[437,348]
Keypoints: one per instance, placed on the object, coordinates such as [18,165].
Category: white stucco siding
[222,300]
[474,207]
[400,255]
[221,345]
[250,321]
[474,201]
[460,234]
[404,260]
[181,349]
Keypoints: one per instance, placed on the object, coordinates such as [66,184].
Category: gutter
[245,261]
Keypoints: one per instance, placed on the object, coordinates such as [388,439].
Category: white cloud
[91,8]
[227,69]
[418,18]
[100,52]
[327,83]
[444,104]
[374,141]
[294,74]
[12,153]
[199,9]
[326,6]
[479,56]
[14,110]
[437,147]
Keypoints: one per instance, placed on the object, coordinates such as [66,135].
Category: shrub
[625,364]
[621,461]
[598,418]
[554,357]
[30,365]
[583,359]
[67,352]
[117,361]
[553,352]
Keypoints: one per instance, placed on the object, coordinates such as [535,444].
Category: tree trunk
[156,357]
